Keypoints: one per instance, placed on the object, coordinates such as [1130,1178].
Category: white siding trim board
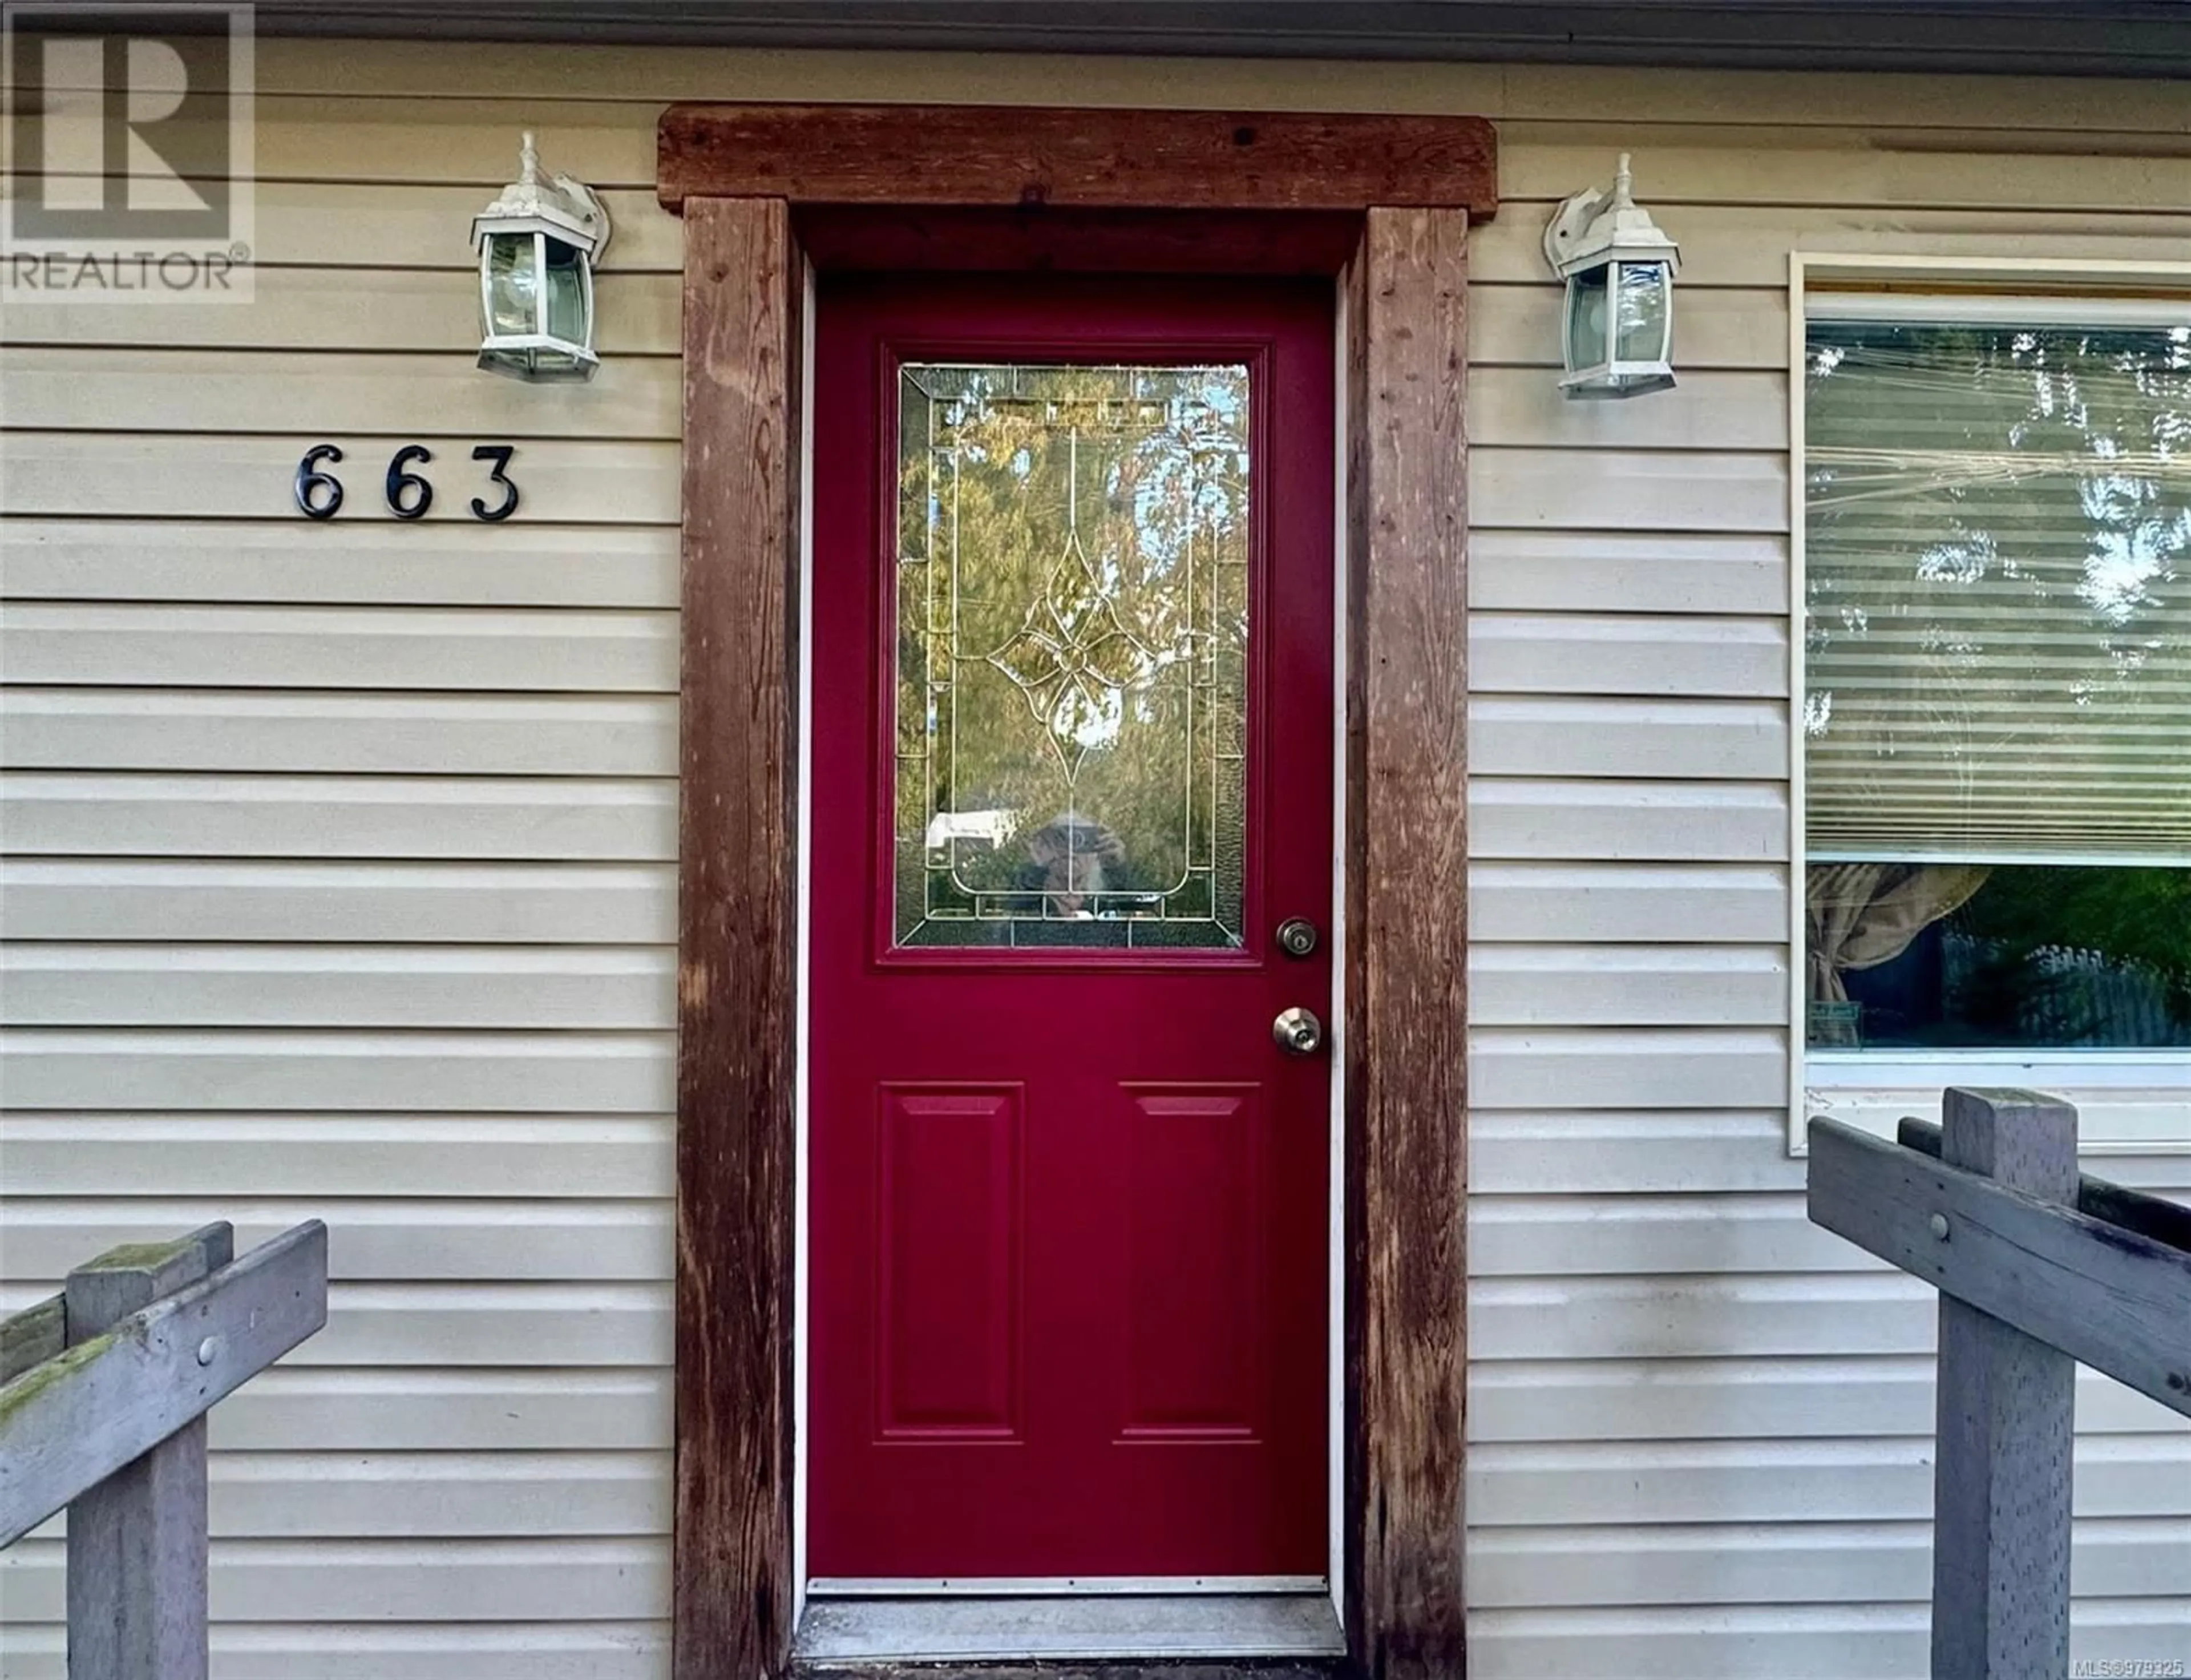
[550,1578]
[1625,986]
[581,987]
[384,1239]
[386,309]
[366,561]
[1603,820]
[382,393]
[1589,736]
[376,1650]
[1849,1641]
[1882,1562]
[1798,1483]
[320,1072]
[1575,653]
[1686,572]
[1787,1396]
[289,901]
[410,648]
[248,476]
[414,1408]
[1613,1152]
[304,732]
[567,819]
[80,1153]
[1667,903]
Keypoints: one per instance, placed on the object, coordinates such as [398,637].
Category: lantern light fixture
[538,244]
[1617,335]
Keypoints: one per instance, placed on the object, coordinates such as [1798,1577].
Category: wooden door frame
[1382,202]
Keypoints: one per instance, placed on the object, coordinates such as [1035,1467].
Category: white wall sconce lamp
[1617,333]
[538,244]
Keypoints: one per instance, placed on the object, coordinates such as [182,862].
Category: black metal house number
[320,492]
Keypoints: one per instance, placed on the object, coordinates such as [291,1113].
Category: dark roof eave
[2149,38]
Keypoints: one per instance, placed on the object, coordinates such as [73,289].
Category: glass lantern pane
[566,293]
[1642,298]
[1586,327]
[512,283]
[1072,612]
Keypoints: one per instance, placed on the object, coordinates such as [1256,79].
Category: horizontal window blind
[1998,564]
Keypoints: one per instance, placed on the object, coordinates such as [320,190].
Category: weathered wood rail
[104,1392]
[2040,1270]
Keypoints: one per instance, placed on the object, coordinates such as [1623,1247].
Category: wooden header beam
[1027,157]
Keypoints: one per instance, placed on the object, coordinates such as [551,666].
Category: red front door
[1068,1220]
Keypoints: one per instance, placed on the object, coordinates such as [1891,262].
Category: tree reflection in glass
[1072,636]
[1997,709]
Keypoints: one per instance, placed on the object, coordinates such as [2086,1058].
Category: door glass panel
[1072,637]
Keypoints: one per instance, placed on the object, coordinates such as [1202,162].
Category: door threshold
[1058,1586]
[1109,1627]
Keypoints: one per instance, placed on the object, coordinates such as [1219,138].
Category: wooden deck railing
[106,1387]
[2039,1269]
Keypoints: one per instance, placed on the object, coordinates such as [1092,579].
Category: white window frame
[1873,1089]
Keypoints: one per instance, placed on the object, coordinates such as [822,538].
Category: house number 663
[320,492]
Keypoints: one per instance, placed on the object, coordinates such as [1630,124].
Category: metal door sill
[1056,1587]
[1080,1628]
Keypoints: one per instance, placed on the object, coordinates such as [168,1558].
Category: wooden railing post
[136,1542]
[2002,1475]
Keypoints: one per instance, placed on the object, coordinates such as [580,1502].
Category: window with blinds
[1996,712]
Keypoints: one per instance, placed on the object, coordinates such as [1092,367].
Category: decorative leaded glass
[1072,636]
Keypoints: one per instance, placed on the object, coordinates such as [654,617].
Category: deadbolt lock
[1297,937]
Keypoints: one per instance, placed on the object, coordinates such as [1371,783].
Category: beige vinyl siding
[1700,1427]
[340,875]
[341,882]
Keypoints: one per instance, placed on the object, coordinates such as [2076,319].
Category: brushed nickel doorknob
[1299,1033]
